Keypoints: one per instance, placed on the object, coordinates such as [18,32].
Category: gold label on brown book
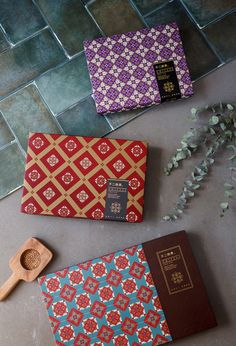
[174,269]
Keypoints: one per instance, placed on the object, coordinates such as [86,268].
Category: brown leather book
[149,294]
[179,284]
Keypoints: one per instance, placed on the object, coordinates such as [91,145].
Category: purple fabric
[121,67]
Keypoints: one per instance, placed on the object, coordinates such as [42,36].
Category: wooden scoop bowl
[26,265]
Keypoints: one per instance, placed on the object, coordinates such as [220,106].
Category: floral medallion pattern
[110,300]
[68,176]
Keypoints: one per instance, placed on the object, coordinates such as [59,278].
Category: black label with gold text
[116,199]
[167,80]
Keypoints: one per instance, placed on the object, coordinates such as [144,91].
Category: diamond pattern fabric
[110,300]
[121,67]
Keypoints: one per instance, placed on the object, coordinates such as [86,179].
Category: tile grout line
[192,19]
[27,83]
[6,145]
[158,8]
[217,19]
[36,33]
[5,35]
[71,106]
[136,9]
[77,54]
[50,28]
[60,114]
[111,126]
[93,18]
[52,115]
[15,136]
[10,192]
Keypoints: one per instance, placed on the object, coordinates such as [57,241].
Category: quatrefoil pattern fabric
[121,67]
[67,176]
[110,300]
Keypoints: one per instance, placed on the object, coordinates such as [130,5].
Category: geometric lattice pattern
[67,176]
[110,300]
[121,67]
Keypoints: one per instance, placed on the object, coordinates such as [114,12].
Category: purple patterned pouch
[138,69]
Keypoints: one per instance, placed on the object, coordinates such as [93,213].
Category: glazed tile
[65,85]
[146,6]
[71,23]
[5,133]
[11,169]
[25,112]
[200,57]
[222,34]
[28,60]
[20,19]
[3,42]
[208,10]
[83,120]
[118,119]
[115,17]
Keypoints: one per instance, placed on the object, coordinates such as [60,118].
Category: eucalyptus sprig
[218,132]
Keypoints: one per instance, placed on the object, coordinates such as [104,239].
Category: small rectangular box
[85,177]
[149,294]
[138,69]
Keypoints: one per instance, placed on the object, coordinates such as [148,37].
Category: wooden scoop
[26,265]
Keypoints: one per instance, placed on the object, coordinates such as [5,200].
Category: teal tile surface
[65,85]
[28,60]
[115,17]
[5,133]
[70,21]
[208,10]
[83,120]
[200,57]
[38,78]
[146,6]
[25,112]
[3,42]
[20,19]
[118,119]
[11,169]
[222,35]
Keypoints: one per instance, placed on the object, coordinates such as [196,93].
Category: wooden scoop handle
[8,286]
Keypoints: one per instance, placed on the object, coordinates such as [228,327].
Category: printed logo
[116,199]
[174,270]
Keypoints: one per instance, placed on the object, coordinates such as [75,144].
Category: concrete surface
[23,318]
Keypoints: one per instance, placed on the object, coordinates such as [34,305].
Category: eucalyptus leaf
[217,132]
[180,156]
[193,111]
[224,205]
[223,127]
[195,186]
[228,186]
[180,211]
[229,194]
[212,131]
[228,133]
[231,147]
[189,183]
[198,178]
[232,157]
[214,120]
[233,161]
[230,107]
[193,145]
[166,218]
